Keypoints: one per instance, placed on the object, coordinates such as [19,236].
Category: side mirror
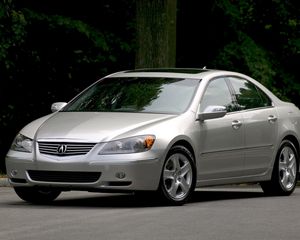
[57,106]
[212,112]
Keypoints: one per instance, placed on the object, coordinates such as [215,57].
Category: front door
[222,139]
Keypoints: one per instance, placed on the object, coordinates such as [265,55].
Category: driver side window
[217,94]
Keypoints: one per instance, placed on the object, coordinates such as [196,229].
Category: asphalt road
[214,213]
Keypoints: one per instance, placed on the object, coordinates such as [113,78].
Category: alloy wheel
[177,176]
[287,168]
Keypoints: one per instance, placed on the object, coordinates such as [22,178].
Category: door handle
[272,119]
[236,124]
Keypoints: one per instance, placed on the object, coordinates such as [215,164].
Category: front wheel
[178,176]
[284,177]
[37,195]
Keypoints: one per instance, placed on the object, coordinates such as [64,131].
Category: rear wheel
[178,176]
[37,195]
[284,177]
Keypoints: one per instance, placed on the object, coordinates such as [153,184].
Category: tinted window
[265,99]
[248,95]
[153,95]
[217,94]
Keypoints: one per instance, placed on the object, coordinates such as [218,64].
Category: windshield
[134,94]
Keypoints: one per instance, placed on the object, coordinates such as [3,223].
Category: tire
[37,195]
[285,171]
[178,176]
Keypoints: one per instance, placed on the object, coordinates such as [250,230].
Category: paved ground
[219,213]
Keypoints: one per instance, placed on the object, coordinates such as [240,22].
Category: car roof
[171,70]
[192,73]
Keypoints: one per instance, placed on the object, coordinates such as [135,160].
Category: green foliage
[263,41]
[12,32]
[55,21]
[250,58]
[241,13]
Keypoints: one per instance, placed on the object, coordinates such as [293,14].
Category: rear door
[260,125]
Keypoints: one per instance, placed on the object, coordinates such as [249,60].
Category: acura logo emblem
[62,149]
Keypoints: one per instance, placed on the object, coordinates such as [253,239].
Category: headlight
[22,144]
[128,145]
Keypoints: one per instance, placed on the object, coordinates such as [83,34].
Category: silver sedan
[164,131]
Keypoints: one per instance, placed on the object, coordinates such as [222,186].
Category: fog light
[120,175]
[14,172]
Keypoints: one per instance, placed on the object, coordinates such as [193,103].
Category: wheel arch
[295,142]
[187,145]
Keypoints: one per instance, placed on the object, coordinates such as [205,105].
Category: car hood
[95,126]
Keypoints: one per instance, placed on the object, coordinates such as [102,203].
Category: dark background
[50,50]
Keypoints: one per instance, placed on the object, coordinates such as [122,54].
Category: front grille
[64,177]
[65,149]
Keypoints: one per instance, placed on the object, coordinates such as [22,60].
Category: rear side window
[247,95]
[266,100]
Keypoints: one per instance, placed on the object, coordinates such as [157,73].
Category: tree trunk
[156,33]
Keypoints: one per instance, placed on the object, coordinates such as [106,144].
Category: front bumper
[126,172]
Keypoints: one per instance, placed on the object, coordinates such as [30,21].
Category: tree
[263,40]
[156,33]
